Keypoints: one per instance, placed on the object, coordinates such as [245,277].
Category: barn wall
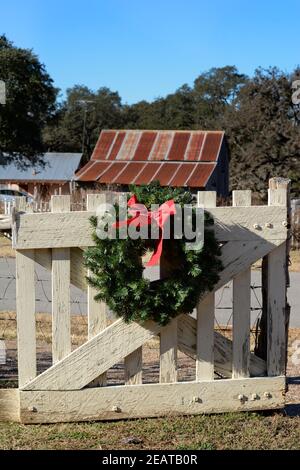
[44,191]
[219,180]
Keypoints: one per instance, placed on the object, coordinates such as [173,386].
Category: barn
[41,181]
[197,160]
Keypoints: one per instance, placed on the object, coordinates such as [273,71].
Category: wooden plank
[241,324]
[168,353]
[9,405]
[60,204]
[207,199]
[238,256]
[150,400]
[241,198]
[61,320]
[95,357]
[187,327]
[97,311]
[276,352]
[78,270]
[205,338]
[133,367]
[205,314]
[275,314]
[277,197]
[72,229]
[241,307]
[25,304]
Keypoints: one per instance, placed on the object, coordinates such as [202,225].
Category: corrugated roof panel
[148,173]
[179,146]
[166,172]
[103,145]
[57,167]
[194,147]
[112,172]
[200,176]
[116,146]
[129,146]
[211,147]
[94,171]
[182,175]
[130,172]
[144,146]
[161,146]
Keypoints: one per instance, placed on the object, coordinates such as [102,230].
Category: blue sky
[148,48]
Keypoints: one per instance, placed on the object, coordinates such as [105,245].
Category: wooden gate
[228,376]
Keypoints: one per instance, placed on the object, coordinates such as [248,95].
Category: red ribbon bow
[142,217]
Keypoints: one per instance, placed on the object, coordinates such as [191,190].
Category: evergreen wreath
[117,270]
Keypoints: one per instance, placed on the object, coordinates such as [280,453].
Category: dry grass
[294,261]
[224,431]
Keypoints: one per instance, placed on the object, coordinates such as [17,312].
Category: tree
[214,92]
[30,102]
[264,142]
[80,119]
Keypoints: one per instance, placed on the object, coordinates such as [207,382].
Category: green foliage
[80,119]
[117,269]
[30,102]
[264,141]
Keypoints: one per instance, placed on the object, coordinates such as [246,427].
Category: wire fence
[78,301]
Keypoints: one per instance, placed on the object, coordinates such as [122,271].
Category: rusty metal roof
[176,158]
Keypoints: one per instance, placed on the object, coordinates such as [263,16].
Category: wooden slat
[150,400]
[207,199]
[276,293]
[276,311]
[168,353]
[78,271]
[241,307]
[205,338]
[95,357]
[238,256]
[241,198]
[97,314]
[205,314]
[10,405]
[241,299]
[187,327]
[25,303]
[133,367]
[61,320]
[73,229]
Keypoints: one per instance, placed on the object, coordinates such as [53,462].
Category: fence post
[168,337]
[241,307]
[205,314]
[25,303]
[272,340]
[61,320]
[25,306]
[97,316]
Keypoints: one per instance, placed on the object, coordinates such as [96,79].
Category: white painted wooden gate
[74,388]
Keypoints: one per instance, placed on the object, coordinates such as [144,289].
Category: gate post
[272,340]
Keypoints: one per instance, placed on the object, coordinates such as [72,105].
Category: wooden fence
[229,377]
